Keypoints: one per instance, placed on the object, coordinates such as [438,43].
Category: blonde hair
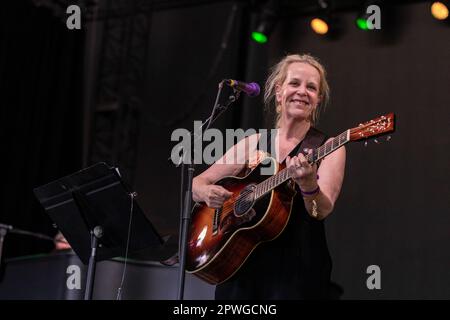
[278,75]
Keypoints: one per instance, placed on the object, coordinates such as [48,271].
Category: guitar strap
[313,139]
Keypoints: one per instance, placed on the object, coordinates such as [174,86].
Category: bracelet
[310,193]
[314,212]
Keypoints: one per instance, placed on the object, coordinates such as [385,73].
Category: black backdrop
[40,85]
[392,211]
[393,208]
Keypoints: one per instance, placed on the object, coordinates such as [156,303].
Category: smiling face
[298,95]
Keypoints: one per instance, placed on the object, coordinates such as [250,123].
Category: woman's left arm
[320,194]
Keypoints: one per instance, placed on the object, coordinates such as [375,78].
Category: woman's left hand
[304,174]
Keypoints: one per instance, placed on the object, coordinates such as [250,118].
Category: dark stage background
[116,89]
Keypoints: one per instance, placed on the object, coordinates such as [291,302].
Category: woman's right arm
[234,160]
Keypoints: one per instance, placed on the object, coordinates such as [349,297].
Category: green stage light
[369,16]
[362,24]
[259,37]
[265,22]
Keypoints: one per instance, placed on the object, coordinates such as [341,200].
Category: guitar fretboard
[316,155]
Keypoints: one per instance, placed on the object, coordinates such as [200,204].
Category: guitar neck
[313,157]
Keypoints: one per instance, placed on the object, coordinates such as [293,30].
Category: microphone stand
[185,212]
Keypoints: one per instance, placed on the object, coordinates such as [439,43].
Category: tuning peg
[388,138]
[376,141]
[365,143]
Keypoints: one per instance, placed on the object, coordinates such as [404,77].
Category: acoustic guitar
[220,240]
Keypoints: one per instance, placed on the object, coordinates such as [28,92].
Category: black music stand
[92,209]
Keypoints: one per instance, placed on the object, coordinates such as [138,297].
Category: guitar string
[274,184]
[239,201]
[247,192]
[321,149]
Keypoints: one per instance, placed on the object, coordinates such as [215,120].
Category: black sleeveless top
[295,265]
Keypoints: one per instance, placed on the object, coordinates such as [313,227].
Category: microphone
[252,89]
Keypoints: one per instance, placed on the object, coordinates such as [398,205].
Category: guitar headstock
[373,128]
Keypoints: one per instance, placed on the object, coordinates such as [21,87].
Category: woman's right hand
[213,195]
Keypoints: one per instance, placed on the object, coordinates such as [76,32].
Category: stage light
[369,18]
[266,22]
[439,9]
[261,34]
[320,25]
[361,22]
[259,37]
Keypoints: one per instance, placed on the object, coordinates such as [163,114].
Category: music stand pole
[95,235]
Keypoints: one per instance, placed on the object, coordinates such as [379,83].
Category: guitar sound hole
[245,201]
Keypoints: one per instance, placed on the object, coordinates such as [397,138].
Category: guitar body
[220,240]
